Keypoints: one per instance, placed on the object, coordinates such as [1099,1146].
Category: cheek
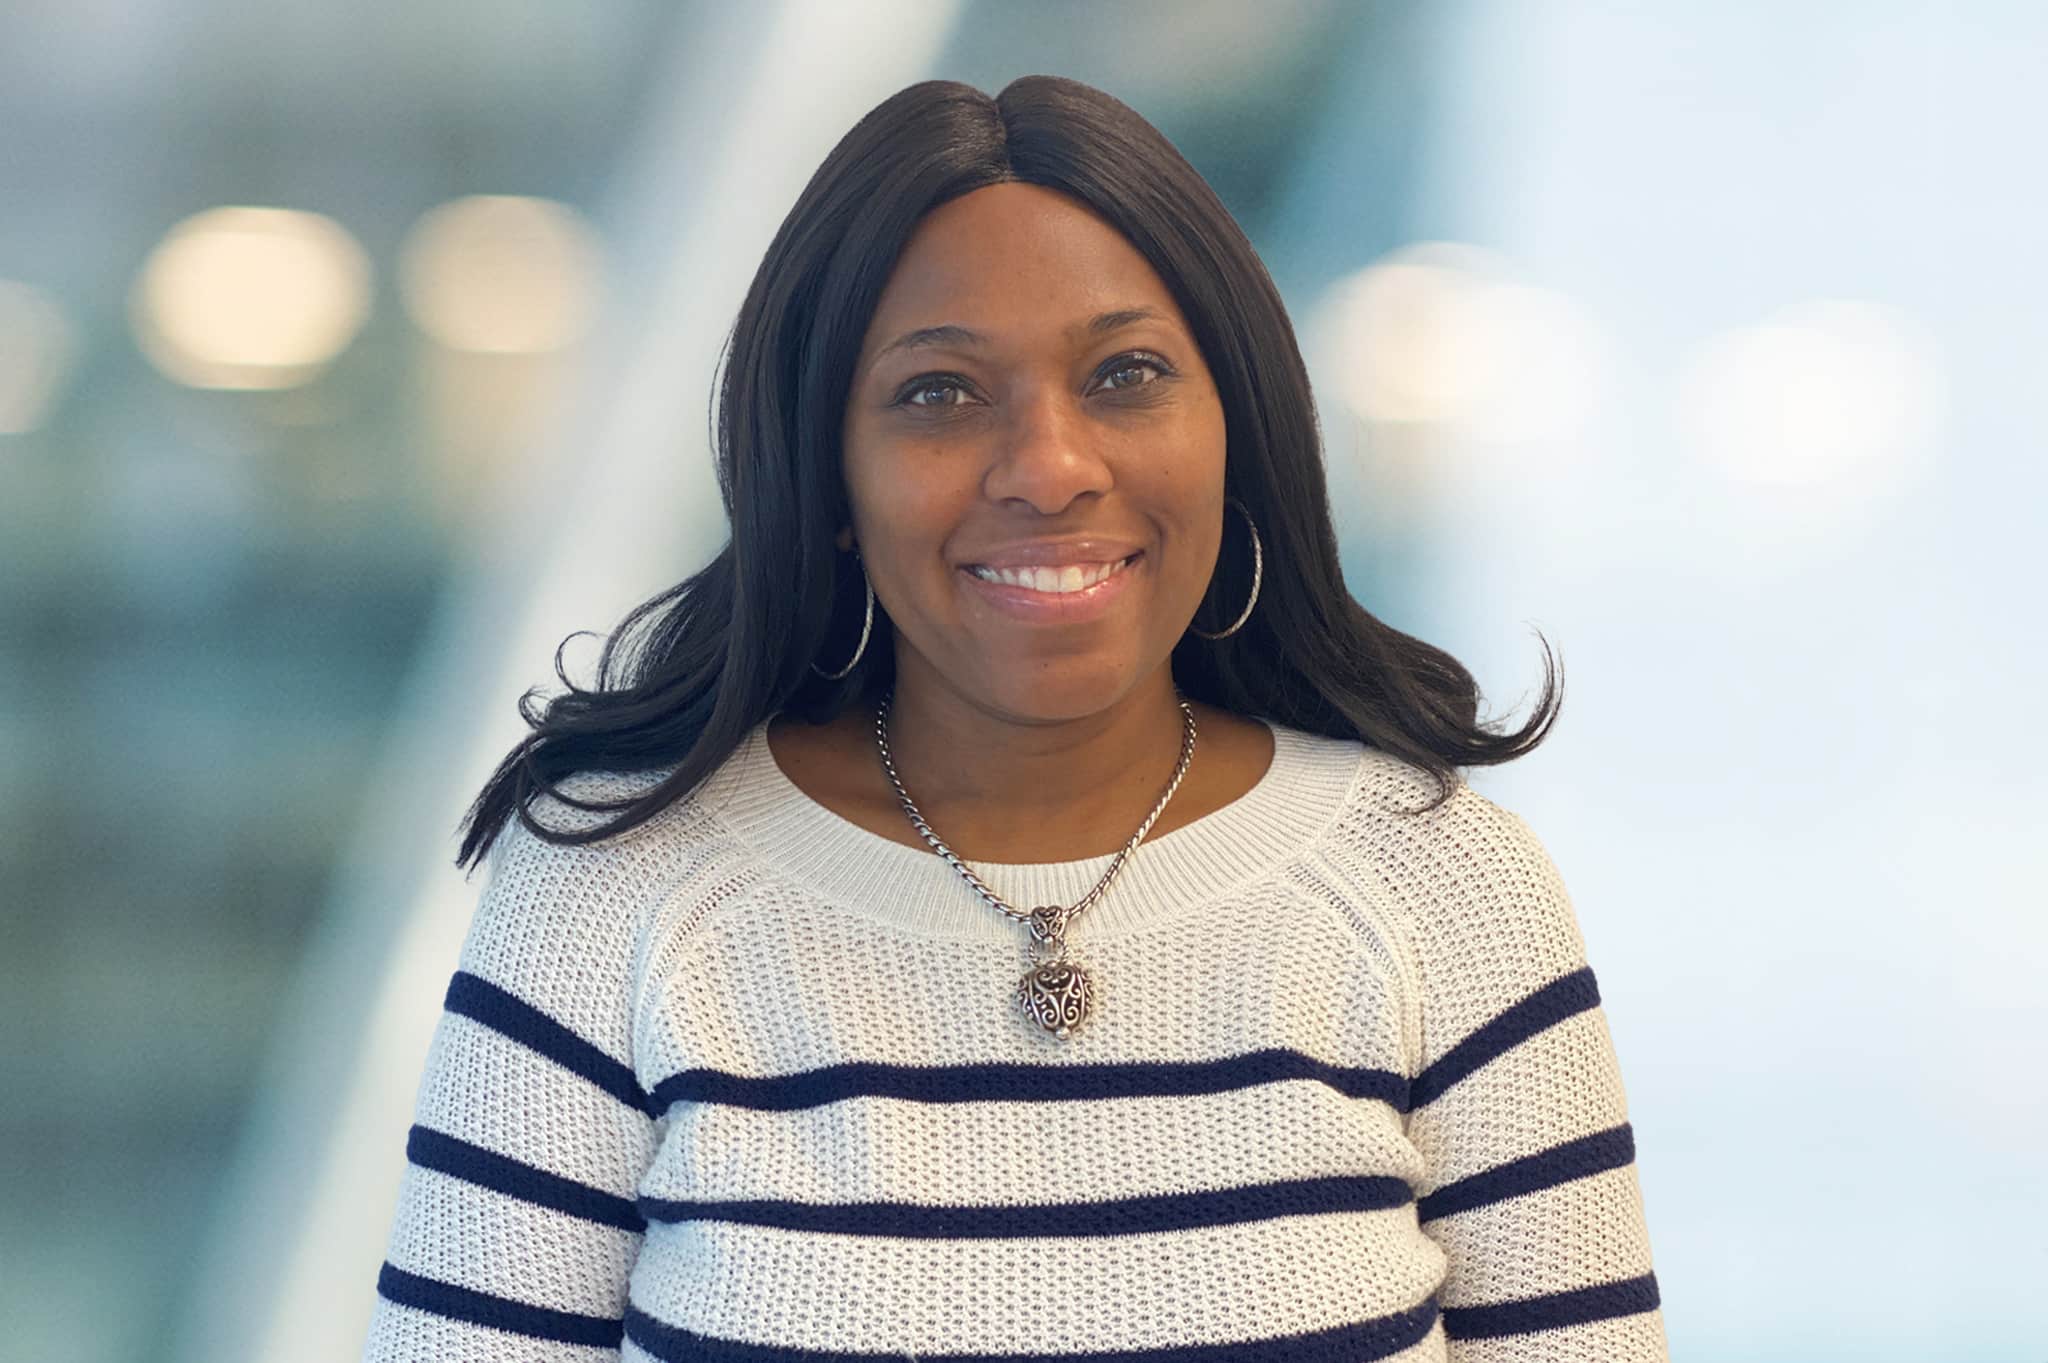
[1211,438]
[903,507]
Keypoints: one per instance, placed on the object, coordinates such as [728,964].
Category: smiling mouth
[1061,581]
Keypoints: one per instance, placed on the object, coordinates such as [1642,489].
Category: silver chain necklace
[1056,993]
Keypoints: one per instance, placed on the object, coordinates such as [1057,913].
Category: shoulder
[1470,878]
[581,804]
[552,917]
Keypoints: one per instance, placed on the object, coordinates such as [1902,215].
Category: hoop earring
[1258,575]
[866,625]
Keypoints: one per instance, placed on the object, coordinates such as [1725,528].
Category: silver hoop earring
[1258,575]
[866,625]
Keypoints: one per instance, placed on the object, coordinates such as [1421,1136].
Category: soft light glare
[501,274]
[1437,336]
[240,297]
[1408,333]
[37,344]
[1816,394]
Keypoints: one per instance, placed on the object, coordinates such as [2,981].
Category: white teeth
[1073,577]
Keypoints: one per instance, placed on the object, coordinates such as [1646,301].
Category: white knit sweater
[748,1083]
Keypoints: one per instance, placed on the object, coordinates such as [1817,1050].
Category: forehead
[1014,258]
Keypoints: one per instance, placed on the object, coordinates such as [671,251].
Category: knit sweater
[749,1082]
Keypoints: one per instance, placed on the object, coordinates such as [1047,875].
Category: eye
[930,390]
[1127,371]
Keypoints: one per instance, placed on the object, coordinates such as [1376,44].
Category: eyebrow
[959,337]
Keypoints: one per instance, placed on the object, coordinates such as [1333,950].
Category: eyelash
[1132,359]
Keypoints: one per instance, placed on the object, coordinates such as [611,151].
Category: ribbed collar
[913,890]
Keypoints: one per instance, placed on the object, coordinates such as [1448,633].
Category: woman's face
[1028,392]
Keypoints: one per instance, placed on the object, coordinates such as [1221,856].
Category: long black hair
[689,673]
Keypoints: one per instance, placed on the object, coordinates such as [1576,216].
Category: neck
[1006,788]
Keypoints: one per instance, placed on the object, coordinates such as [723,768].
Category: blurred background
[353,356]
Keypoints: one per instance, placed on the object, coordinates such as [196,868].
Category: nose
[1046,453]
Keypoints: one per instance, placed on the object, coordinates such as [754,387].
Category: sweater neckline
[913,890]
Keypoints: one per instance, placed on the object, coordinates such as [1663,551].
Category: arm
[515,1229]
[1520,1115]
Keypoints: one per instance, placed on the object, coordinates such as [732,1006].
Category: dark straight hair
[689,673]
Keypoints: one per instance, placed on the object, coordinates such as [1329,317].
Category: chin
[1051,692]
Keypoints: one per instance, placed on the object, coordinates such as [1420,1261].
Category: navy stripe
[1118,1216]
[431,1149]
[1379,1337]
[500,1313]
[1629,1297]
[507,1013]
[1563,997]
[999,1082]
[1582,1158]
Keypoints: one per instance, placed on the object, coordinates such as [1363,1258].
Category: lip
[1023,603]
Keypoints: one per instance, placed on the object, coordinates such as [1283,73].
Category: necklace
[1056,993]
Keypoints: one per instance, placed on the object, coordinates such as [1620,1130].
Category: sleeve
[1519,1113]
[516,1228]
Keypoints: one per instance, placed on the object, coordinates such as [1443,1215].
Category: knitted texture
[748,1082]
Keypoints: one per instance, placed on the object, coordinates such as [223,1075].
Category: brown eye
[1129,371]
[930,391]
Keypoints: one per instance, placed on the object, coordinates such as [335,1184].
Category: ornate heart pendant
[1057,996]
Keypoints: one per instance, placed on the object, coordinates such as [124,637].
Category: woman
[1014,902]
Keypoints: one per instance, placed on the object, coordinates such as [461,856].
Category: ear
[844,539]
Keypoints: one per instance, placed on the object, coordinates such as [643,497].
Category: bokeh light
[1408,334]
[501,274]
[1821,393]
[251,298]
[1441,335]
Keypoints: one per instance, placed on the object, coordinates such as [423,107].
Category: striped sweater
[749,1083]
